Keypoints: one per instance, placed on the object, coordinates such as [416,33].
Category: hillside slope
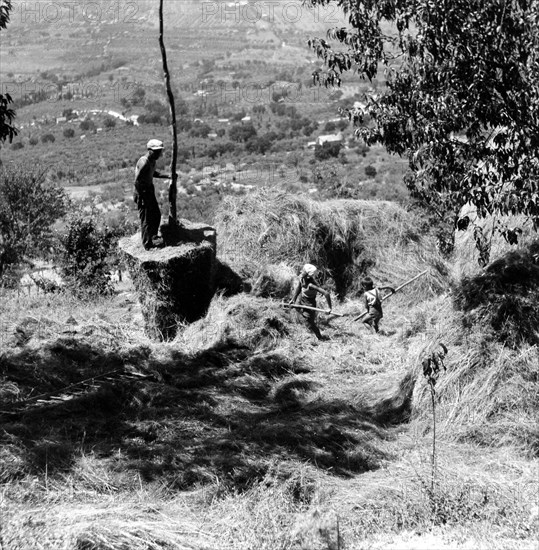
[247,433]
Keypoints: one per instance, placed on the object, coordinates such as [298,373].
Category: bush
[242,132]
[47,138]
[33,141]
[85,252]
[370,171]
[17,146]
[69,133]
[25,196]
[200,130]
[330,149]
[87,125]
[109,123]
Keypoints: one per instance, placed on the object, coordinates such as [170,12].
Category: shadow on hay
[223,413]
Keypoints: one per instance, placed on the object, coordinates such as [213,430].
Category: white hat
[155,144]
[310,270]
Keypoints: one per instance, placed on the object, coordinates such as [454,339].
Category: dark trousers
[150,218]
[308,316]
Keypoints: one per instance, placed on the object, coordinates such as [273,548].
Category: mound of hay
[274,281]
[174,284]
[505,297]
[242,321]
[488,395]
[344,238]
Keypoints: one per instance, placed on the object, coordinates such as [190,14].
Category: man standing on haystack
[306,290]
[144,197]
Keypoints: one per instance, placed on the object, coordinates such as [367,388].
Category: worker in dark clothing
[306,291]
[144,197]
[373,303]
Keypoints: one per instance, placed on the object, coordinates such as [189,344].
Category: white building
[329,138]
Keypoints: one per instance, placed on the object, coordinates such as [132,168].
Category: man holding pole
[373,303]
[144,197]
[306,291]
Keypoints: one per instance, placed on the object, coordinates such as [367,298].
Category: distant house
[223,120]
[246,119]
[330,138]
[212,135]
[61,119]
[311,145]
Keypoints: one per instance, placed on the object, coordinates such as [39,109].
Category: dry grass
[481,502]
[488,394]
[344,238]
[246,433]
[42,316]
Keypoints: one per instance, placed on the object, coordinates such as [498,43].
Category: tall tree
[173,189]
[7,115]
[461,101]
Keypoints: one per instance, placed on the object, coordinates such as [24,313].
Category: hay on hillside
[344,238]
[488,394]
[242,321]
[505,297]
[274,281]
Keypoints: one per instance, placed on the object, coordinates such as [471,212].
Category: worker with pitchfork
[307,290]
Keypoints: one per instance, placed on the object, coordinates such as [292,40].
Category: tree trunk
[173,189]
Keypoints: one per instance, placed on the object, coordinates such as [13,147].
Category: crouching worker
[306,290]
[373,303]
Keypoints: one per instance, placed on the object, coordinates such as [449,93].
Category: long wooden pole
[173,189]
[396,290]
[298,306]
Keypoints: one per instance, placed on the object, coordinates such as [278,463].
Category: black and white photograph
[269,274]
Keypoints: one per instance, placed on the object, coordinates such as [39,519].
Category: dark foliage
[86,249]
[7,115]
[28,209]
[462,97]
[328,150]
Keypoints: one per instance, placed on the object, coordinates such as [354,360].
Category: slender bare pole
[173,189]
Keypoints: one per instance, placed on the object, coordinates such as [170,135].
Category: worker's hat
[310,270]
[155,145]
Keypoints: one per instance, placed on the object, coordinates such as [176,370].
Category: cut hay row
[117,526]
